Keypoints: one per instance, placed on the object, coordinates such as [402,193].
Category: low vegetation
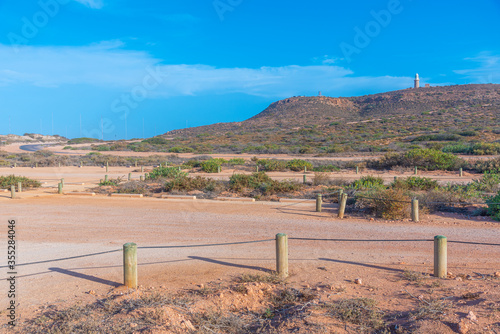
[11,180]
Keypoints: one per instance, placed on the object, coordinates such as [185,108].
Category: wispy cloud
[486,71]
[109,66]
[94,4]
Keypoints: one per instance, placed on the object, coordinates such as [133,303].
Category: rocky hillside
[320,111]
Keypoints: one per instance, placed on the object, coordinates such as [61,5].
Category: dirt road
[71,246]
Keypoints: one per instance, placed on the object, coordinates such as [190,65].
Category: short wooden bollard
[19,187]
[12,191]
[105,178]
[142,169]
[414,210]
[62,183]
[130,265]
[129,176]
[136,164]
[282,255]
[15,164]
[357,170]
[36,165]
[141,178]
[440,256]
[343,202]
[257,168]
[416,170]
[81,163]
[461,172]
[304,179]
[59,165]
[59,188]
[319,202]
[218,169]
[107,167]
[341,191]
[305,169]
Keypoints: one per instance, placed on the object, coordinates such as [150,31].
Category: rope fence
[281,241]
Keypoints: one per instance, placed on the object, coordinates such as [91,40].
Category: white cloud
[94,4]
[487,70]
[108,66]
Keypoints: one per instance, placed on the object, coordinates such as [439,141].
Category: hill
[387,121]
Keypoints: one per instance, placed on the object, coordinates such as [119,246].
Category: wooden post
[59,165]
[343,203]
[15,164]
[12,191]
[106,178]
[461,172]
[160,165]
[59,188]
[81,163]
[62,183]
[440,256]
[129,176]
[319,202]
[304,179]
[130,265]
[416,170]
[136,164]
[282,255]
[36,164]
[142,169]
[141,178]
[257,168]
[341,191]
[357,169]
[19,187]
[218,169]
[414,210]
[305,169]
[107,166]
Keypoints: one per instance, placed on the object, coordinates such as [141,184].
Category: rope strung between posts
[208,245]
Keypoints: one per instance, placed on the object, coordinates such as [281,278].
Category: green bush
[326,168]
[298,165]
[11,180]
[494,206]
[491,166]
[236,161]
[167,172]
[368,182]
[415,183]
[271,165]
[187,183]
[420,157]
[211,166]
[474,149]
[261,182]
[240,182]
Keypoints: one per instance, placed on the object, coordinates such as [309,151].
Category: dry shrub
[385,203]
[321,179]
[359,311]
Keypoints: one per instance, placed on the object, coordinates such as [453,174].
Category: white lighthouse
[417,81]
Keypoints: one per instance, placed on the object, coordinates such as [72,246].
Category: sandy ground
[69,246]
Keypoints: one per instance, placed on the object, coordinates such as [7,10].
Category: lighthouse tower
[417,81]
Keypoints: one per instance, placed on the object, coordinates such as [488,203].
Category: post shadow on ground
[86,277]
[229,264]
[362,265]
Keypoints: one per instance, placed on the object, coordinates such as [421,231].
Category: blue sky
[130,68]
